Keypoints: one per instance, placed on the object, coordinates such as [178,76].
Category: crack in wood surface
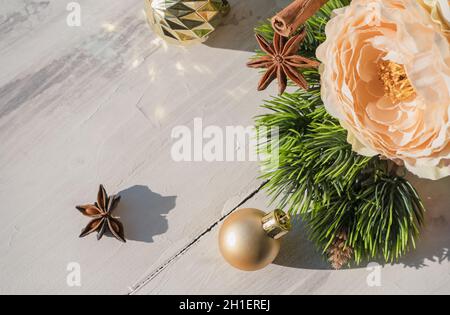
[134,289]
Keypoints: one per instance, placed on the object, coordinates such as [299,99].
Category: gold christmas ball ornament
[249,239]
[185,21]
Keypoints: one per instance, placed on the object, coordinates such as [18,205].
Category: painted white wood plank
[97,104]
[300,269]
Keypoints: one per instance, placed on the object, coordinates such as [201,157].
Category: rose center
[396,82]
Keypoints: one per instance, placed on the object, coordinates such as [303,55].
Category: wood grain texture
[97,104]
[300,269]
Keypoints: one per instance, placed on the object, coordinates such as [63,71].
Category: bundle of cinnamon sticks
[295,15]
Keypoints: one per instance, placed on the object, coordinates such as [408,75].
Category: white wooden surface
[96,104]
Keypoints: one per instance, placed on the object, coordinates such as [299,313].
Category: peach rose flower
[386,77]
[440,13]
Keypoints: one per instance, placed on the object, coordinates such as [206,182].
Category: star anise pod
[101,214]
[282,61]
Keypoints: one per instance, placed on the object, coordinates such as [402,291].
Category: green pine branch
[318,177]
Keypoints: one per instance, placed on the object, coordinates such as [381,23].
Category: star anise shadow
[143,212]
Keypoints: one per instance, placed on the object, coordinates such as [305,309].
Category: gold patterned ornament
[185,21]
[249,239]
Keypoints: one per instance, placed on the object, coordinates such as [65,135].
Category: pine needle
[320,179]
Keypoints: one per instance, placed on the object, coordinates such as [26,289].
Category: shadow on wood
[236,31]
[142,213]
[433,246]
[299,252]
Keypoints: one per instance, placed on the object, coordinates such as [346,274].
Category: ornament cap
[277,224]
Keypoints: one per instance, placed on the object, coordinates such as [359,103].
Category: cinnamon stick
[294,15]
